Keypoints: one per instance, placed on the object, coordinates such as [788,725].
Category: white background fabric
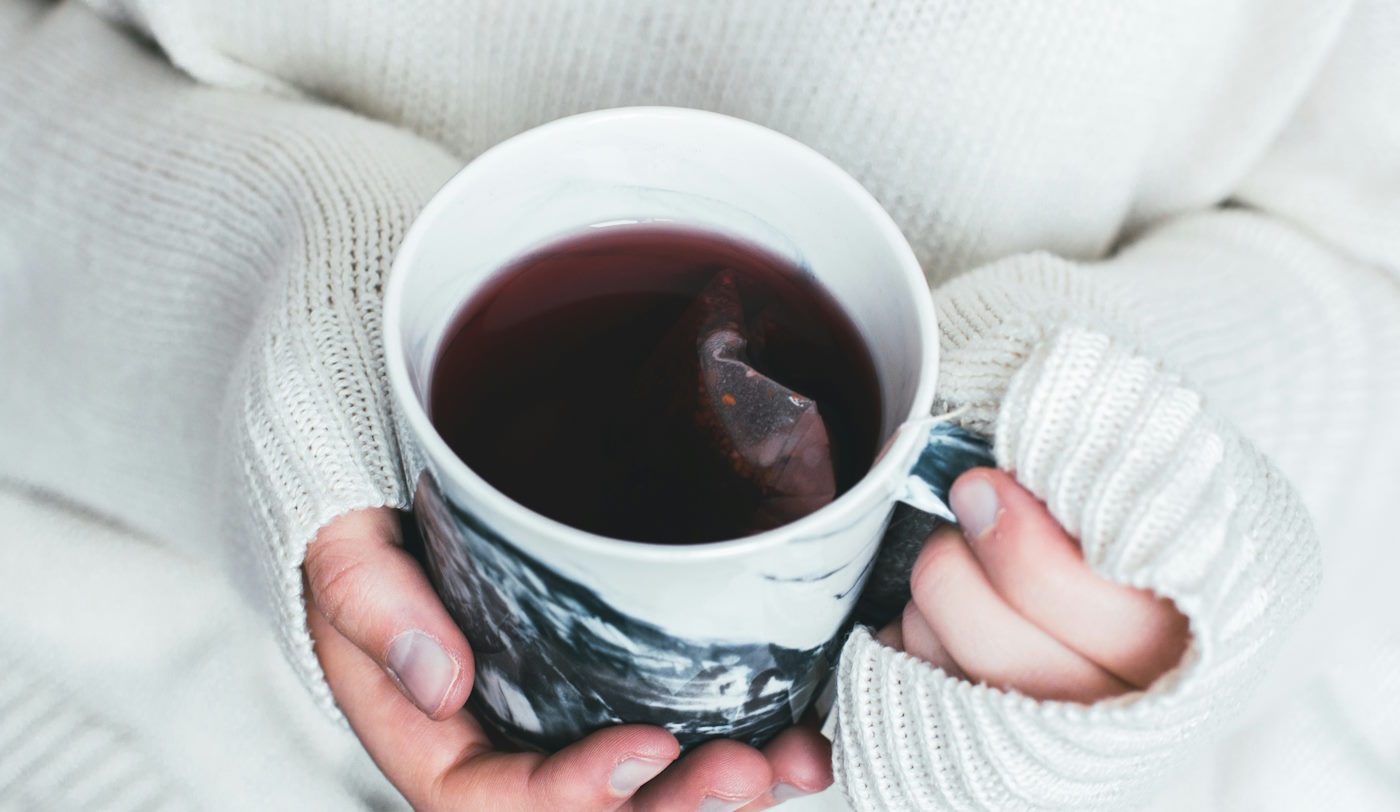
[189,279]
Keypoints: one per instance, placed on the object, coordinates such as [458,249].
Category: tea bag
[755,446]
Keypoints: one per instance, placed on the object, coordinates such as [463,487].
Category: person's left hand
[1009,601]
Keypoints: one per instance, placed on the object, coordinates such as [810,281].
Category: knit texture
[136,679]
[191,266]
[226,355]
[59,754]
[1162,496]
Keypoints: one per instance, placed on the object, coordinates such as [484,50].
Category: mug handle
[947,451]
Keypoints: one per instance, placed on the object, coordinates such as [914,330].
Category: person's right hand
[401,671]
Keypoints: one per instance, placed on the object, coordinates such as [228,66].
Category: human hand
[1009,601]
[401,672]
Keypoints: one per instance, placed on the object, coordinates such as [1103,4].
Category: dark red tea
[557,385]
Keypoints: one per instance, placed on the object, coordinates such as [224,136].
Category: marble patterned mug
[572,631]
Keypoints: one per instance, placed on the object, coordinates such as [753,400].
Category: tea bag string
[921,423]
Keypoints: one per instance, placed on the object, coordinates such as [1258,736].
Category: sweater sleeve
[190,288]
[1182,408]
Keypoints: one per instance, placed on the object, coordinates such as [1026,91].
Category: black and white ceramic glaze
[572,631]
[555,659]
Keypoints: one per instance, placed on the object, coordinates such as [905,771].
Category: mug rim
[877,484]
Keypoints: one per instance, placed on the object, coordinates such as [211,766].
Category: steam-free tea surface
[620,381]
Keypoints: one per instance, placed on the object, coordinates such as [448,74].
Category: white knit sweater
[1164,241]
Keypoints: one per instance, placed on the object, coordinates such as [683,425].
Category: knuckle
[1016,537]
[334,577]
[554,793]
[1008,541]
[471,778]
[933,561]
[912,620]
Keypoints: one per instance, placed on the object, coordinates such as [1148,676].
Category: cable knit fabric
[1162,496]
[1161,240]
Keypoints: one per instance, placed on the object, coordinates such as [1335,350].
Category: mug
[572,631]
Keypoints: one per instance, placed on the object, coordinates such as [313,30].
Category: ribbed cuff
[313,431]
[308,458]
[1162,496]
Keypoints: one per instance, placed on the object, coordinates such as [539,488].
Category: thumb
[450,764]
[373,592]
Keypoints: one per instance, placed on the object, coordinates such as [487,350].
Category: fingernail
[713,804]
[786,792]
[974,502]
[422,669]
[629,776]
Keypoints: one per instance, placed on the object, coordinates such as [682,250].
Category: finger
[413,751]
[1040,571]
[601,772]
[718,776]
[911,634]
[921,642]
[648,752]
[893,634]
[377,596]
[800,761]
[988,639]
[450,764]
